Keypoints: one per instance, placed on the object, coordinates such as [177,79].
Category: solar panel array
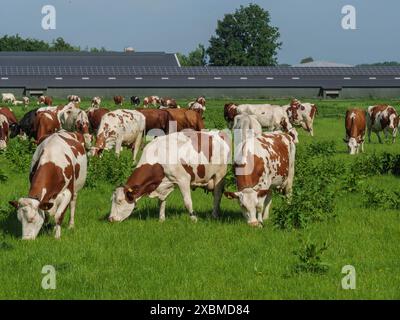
[194,71]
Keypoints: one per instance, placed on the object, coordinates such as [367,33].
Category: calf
[262,164]
[135,101]
[247,125]
[120,127]
[58,172]
[7,97]
[184,159]
[156,119]
[152,100]
[382,118]
[4,132]
[96,102]
[12,121]
[95,115]
[48,101]
[355,125]
[46,123]
[186,119]
[168,102]
[302,114]
[74,98]
[118,100]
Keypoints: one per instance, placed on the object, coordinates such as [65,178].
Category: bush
[19,152]
[109,168]
[309,256]
[321,148]
[379,198]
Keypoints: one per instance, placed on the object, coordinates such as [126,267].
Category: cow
[156,119]
[12,121]
[25,101]
[7,98]
[48,101]
[96,101]
[4,131]
[168,102]
[118,100]
[135,101]
[18,103]
[58,171]
[95,115]
[262,164]
[46,123]
[186,119]
[120,127]
[270,117]
[183,159]
[302,114]
[152,100]
[247,125]
[27,123]
[198,107]
[382,118]
[355,125]
[74,98]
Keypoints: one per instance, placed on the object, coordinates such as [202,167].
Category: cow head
[393,121]
[123,203]
[251,202]
[30,212]
[230,111]
[353,145]
[294,135]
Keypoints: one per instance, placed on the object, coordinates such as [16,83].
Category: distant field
[224,259]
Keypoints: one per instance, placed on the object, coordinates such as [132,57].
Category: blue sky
[307,27]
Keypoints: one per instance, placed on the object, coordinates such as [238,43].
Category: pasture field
[350,202]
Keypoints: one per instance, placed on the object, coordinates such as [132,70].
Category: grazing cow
[118,100]
[46,123]
[74,98]
[156,119]
[7,98]
[198,107]
[96,102]
[261,164]
[270,117]
[58,172]
[12,121]
[152,100]
[48,101]
[27,123]
[94,115]
[18,103]
[4,132]
[247,125]
[25,100]
[355,125]
[183,159]
[82,126]
[135,101]
[120,127]
[302,114]
[382,118]
[168,102]
[186,119]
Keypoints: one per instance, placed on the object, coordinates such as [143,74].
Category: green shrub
[379,198]
[321,148]
[19,153]
[310,257]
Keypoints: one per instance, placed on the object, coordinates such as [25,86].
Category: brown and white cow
[183,159]
[302,114]
[48,101]
[46,123]
[196,106]
[382,118]
[156,119]
[168,102]
[7,98]
[355,125]
[95,115]
[74,98]
[185,119]
[96,101]
[120,127]
[58,172]
[151,100]
[4,132]
[12,121]
[246,126]
[118,100]
[262,164]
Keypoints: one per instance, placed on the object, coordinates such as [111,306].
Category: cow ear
[262,193]
[45,206]
[231,195]
[14,203]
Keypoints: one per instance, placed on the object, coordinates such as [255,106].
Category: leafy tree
[197,57]
[60,45]
[245,38]
[306,60]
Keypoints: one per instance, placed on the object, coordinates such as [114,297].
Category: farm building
[145,73]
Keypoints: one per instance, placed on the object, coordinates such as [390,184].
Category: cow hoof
[71,226]
[254,224]
[161,220]
[193,217]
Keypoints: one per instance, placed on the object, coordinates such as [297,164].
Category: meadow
[345,211]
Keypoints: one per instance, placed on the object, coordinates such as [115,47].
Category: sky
[307,27]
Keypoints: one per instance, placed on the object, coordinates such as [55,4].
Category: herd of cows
[182,153]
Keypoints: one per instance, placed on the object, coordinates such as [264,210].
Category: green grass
[224,259]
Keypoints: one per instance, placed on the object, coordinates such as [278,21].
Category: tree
[60,45]
[306,60]
[197,57]
[245,38]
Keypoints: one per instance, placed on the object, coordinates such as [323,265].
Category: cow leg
[218,191]
[267,206]
[394,135]
[138,143]
[369,134]
[379,137]
[118,146]
[187,198]
[72,207]
[59,216]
